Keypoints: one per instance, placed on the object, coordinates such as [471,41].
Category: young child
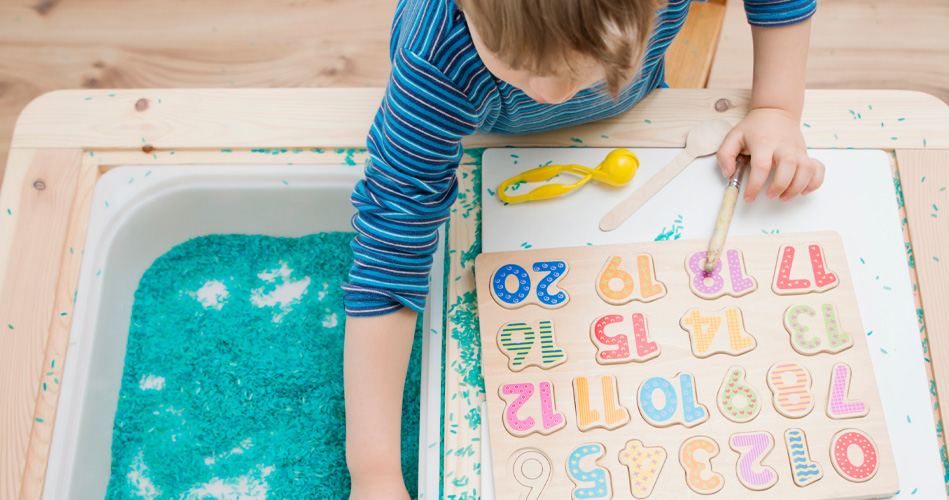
[506,67]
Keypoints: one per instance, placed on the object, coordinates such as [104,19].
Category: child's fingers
[760,168]
[729,150]
[817,179]
[783,175]
[802,177]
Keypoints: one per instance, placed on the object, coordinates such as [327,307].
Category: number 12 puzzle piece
[522,406]
[801,269]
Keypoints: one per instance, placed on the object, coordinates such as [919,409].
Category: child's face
[545,89]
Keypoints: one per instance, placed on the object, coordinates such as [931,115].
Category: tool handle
[639,197]
[721,227]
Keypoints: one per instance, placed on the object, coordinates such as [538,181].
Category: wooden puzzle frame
[64,140]
[717,361]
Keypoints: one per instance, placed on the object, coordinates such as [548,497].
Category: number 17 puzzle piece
[801,269]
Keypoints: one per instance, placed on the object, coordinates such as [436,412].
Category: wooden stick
[725,213]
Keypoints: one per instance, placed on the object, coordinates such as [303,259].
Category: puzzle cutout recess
[629,370]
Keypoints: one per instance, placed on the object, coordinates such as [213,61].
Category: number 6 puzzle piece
[521,406]
[616,286]
[532,469]
[644,464]
[518,340]
[591,482]
[802,270]
[514,276]
[645,348]
[703,326]
[798,321]
[712,285]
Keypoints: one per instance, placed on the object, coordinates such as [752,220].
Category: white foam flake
[151,382]
[284,295]
[139,481]
[212,294]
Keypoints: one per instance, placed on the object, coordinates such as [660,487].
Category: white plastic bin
[133,223]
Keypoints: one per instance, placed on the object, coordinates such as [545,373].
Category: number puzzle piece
[802,270]
[645,348]
[511,285]
[666,410]
[532,469]
[791,385]
[715,284]
[752,448]
[518,341]
[737,399]
[804,471]
[614,414]
[703,330]
[591,480]
[644,465]
[828,337]
[617,286]
[838,406]
[521,406]
[854,455]
[695,455]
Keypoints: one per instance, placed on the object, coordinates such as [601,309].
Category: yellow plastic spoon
[617,169]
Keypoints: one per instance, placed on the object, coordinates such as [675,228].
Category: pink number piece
[643,345]
[838,393]
[550,417]
[784,272]
[620,340]
[821,277]
[524,391]
[739,282]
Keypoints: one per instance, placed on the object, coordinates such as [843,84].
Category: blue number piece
[554,270]
[523,284]
[645,399]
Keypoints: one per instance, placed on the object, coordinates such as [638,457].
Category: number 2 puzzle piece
[734,282]
[672,407]
[703,330]
[644,464]
[532,469]
[526,412]
[816,329]
[512,286]
[591,480]
[752,448]
[801,269]
[519,342]
[838,406]
[589,416]
[617,286]
[645,349]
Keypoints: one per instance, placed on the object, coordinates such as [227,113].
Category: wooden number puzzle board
[606,387]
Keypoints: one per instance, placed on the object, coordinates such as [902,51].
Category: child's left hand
[773,139]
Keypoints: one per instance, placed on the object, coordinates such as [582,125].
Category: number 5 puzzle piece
[617,286]
[801,269]
[703,328]
[591,480]
[512,286]
[518,341]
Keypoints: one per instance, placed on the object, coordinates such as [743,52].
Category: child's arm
[376,357]
[771,132]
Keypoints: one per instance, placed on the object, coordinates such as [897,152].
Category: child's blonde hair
[545,36]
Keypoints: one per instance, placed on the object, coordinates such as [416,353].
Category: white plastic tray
[133,223]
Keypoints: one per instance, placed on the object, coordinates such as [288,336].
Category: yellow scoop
[617,169]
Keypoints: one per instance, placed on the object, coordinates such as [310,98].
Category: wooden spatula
[704,139]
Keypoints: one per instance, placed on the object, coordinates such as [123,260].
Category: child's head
[551,49]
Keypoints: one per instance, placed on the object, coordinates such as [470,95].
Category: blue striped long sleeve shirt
[440,91]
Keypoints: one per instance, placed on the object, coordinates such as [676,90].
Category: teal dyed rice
[250,396]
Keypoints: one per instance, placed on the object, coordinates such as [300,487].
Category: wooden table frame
[64,140]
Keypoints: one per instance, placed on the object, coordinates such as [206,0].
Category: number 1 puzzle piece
[519,342]
[591,480]
[645,349]
[801,269]
[703,328]
[644,464]
[617,286]
[712,285]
